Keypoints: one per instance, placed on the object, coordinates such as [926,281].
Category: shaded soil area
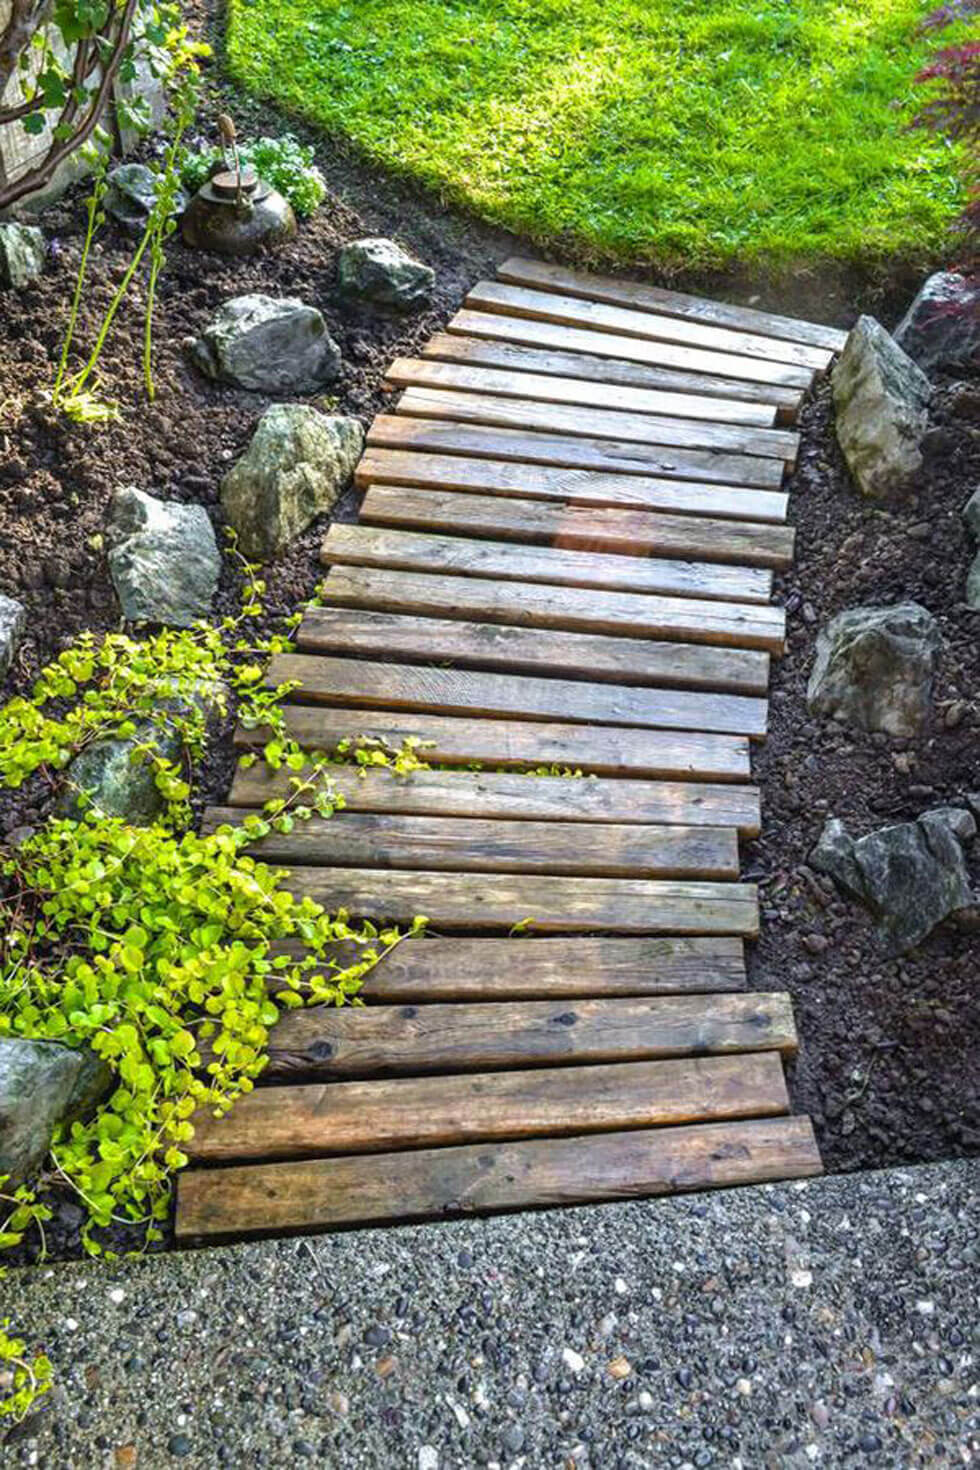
[888,1061]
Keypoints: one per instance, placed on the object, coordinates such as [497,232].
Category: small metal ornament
[237,213]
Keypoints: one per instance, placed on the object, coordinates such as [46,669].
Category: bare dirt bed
[887,1047]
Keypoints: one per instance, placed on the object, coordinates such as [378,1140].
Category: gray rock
[941,329]
[971,514]
[296,465]
[12,622]
[22,252]
[380,271]
[163,558]
[117,778]
[834,855]
[915,876]
[911,875]
[42,1084]
[880,398]
[131,195]
[874,668]
[269,345]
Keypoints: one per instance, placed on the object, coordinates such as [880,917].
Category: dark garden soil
[888,1061]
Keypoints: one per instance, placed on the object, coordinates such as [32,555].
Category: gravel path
[824,1323]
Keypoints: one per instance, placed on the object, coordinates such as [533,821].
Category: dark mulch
[887,1046]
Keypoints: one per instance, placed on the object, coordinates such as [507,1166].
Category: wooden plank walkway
[561,585]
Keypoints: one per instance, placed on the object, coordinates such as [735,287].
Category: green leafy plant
[23,1379]
[74,396]
[284,162]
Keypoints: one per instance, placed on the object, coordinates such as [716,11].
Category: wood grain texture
[516,412]
[625,615]
[504,796]
[605,750]
[567,525]
[481,845]
[688,437]
[425,1112]
[484,969]
[531,650]
[542,347]
[615,456]
[366,683]
[376,1040]
[641,296]
[484,902]
[745,354]
[328,1193]
[509,561]
[554,386]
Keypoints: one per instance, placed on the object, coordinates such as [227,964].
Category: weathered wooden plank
[547,277]
[555,387]
[327,1193]
[491,351]
[602,423]
[372,546]
[368,684]
[605,750]
[626,615]
[478,845]
[504,796]
[501,478]
[532,650]
[370,1041]
[497,902]
[756,355]
[620,531]
[425,1112]
[483,441]
[431,969]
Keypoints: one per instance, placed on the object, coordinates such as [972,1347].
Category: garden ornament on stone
[235,212]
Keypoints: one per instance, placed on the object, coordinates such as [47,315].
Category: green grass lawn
[665,131]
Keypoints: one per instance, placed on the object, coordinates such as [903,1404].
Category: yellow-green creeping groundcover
[700,132]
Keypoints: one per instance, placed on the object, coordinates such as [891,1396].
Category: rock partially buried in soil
[881,400]
[911,876]
[131,195]
[22,252]
[380,271]
[163,558]
[941,329]
[12,621]
[42,1084]
[295,467]
[874,668]
[269,345]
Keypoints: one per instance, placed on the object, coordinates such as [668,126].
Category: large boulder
[163,558]
[295,467]
[941,329]
[881,400]
[380,271]
[42,1084]
[874,668]
[131,193]
[22,252]
[911,875]
[12,623]
[269,345]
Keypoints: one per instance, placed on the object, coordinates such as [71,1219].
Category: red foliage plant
[953,109]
